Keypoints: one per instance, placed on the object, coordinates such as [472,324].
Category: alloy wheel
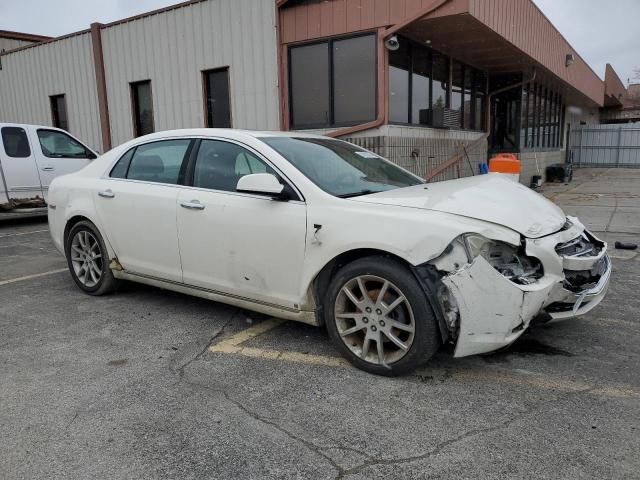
[86,258]
[374,319]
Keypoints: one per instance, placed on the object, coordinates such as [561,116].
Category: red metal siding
[521,23]
[312,20]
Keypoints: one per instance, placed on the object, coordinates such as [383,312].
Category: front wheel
[378,316]
[88,259]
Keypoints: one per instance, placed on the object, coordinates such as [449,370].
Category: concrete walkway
[607,201]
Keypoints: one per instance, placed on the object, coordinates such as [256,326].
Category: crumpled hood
[493,198]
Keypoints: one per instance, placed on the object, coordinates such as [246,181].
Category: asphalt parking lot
[147,383]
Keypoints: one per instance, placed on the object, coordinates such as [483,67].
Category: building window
[457,94]
[542,112]
[421,86]
[59,112]
[333,83]
[216,98]
[419,91]
[399,84]
[142,101]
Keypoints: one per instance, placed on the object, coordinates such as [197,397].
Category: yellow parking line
[29,277]
[233,345]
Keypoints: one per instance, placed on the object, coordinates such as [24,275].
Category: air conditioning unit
[440,117]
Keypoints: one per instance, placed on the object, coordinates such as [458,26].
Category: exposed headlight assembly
[510,261]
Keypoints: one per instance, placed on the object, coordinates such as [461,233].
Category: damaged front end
[488,291]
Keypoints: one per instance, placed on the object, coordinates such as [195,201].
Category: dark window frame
[545,119]
[134,107]
[89,153]
[205,103]
[190,166]
[183,166]
[331,123]
[449,92]
[24,132]
[55,111]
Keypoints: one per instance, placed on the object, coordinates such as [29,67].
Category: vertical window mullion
[331,86]
[537,115]
[430,105]
[472,102]
[562,120]
[557,120]
[526,116]
[410,97]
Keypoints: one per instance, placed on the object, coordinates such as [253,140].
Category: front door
[137,204]
[57,153]
[235,243]
[19,171]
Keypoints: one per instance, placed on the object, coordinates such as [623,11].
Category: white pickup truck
[31,156]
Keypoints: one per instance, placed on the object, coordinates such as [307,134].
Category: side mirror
[261,184]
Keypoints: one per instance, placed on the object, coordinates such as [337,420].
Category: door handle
[106,194]
[192,205]
[48,169]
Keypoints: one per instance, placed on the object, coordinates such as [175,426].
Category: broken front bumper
[492,311]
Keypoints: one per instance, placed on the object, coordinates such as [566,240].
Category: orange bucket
[506,163]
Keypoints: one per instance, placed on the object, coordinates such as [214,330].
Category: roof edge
[28,37]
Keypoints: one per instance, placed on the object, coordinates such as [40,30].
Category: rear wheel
[88,259]
[379,318]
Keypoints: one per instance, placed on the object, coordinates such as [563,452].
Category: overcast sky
[601,31]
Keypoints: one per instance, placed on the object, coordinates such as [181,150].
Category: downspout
[101,86]
[383,70]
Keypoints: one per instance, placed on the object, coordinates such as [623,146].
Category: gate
[605,146]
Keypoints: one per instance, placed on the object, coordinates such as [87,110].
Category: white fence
[605,146]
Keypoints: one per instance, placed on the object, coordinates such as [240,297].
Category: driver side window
[219,165]
[56,144]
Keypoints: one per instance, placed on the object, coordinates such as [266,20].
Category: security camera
[392,43]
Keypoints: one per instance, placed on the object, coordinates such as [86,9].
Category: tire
[350,324]
[84,246]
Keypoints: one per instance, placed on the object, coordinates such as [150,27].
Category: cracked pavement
[125,386]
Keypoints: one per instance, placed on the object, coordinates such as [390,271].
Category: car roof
[225,132]
[22,125]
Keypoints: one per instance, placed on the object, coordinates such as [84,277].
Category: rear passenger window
[220,165]
[153,162]
[15,142]
[121,168]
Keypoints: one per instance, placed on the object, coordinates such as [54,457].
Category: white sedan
[321,231]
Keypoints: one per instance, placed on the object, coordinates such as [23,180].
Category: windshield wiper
[356,194]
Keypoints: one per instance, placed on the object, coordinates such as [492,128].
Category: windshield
[340,168]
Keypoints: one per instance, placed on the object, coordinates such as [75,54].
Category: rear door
[19,174]
[58,153]
[136,205]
